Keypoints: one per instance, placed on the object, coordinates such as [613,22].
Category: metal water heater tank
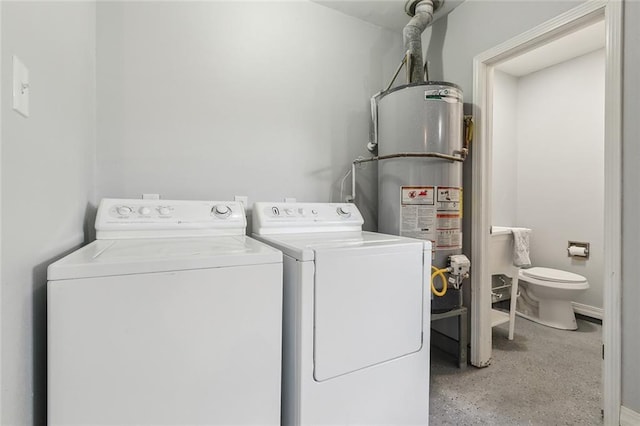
[420,137]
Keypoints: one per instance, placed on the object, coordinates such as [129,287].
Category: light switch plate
[20,87]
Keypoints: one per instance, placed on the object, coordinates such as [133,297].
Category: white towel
[521,246]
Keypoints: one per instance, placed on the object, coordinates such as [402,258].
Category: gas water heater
[421,196]
[421,138]
[420,154]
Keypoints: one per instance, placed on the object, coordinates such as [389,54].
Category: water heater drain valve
[459,266]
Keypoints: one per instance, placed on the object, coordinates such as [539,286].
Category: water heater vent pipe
[422,15]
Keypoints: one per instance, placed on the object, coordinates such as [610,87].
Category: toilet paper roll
[577,251]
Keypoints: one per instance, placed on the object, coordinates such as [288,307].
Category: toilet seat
[555,278]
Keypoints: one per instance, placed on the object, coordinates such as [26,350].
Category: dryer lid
[553,275]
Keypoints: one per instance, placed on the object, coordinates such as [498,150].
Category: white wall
[560,179]
[548,163]
[47,182]
[504,197]
[207,100]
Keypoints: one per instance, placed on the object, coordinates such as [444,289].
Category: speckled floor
[543,377]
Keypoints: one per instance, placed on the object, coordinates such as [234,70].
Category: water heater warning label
[432,213]
[418,212]
[418,195]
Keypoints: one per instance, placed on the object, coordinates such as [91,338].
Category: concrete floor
[543,377]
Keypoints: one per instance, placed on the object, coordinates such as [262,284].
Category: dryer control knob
[144,210]
[221,211]
[164,211]
[344,211]
[124,210]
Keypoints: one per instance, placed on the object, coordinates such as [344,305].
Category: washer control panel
[130,218]
[282,218]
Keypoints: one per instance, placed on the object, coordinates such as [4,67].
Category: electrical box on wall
[20,87]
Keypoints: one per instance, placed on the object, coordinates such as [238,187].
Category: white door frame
[483,67]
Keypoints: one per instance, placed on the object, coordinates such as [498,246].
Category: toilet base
[552,313]
[563,326]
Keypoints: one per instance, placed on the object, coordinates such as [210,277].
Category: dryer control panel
[131,218]
[284,218]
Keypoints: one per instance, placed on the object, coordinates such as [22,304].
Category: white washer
[356,317]
[173,316]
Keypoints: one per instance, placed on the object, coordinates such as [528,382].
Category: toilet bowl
[546,296]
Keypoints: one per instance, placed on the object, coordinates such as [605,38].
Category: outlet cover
[20,87]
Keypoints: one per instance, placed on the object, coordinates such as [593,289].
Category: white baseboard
[589,311]
[628,417]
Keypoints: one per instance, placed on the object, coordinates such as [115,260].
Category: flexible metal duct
[422,12]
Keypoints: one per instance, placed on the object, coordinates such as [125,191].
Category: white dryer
[172,316]
[356,317]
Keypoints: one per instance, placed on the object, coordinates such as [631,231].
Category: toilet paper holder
[578,250]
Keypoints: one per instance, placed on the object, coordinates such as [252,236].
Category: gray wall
[476,26]
[47,182]
[207,100]
[631,209]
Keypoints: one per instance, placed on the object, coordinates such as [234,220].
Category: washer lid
[553,275]
[138,256]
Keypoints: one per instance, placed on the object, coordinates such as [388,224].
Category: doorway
[485,66]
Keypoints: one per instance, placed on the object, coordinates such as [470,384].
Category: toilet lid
[553,275]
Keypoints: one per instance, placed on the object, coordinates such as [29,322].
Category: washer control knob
[164,211]
[288,211]
[344,211]
[124,210]
[222,211]
[314,211]
[144,210]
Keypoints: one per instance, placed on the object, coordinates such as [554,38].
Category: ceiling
[578,43]
[388,14]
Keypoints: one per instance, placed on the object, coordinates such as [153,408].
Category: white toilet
[546,295]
